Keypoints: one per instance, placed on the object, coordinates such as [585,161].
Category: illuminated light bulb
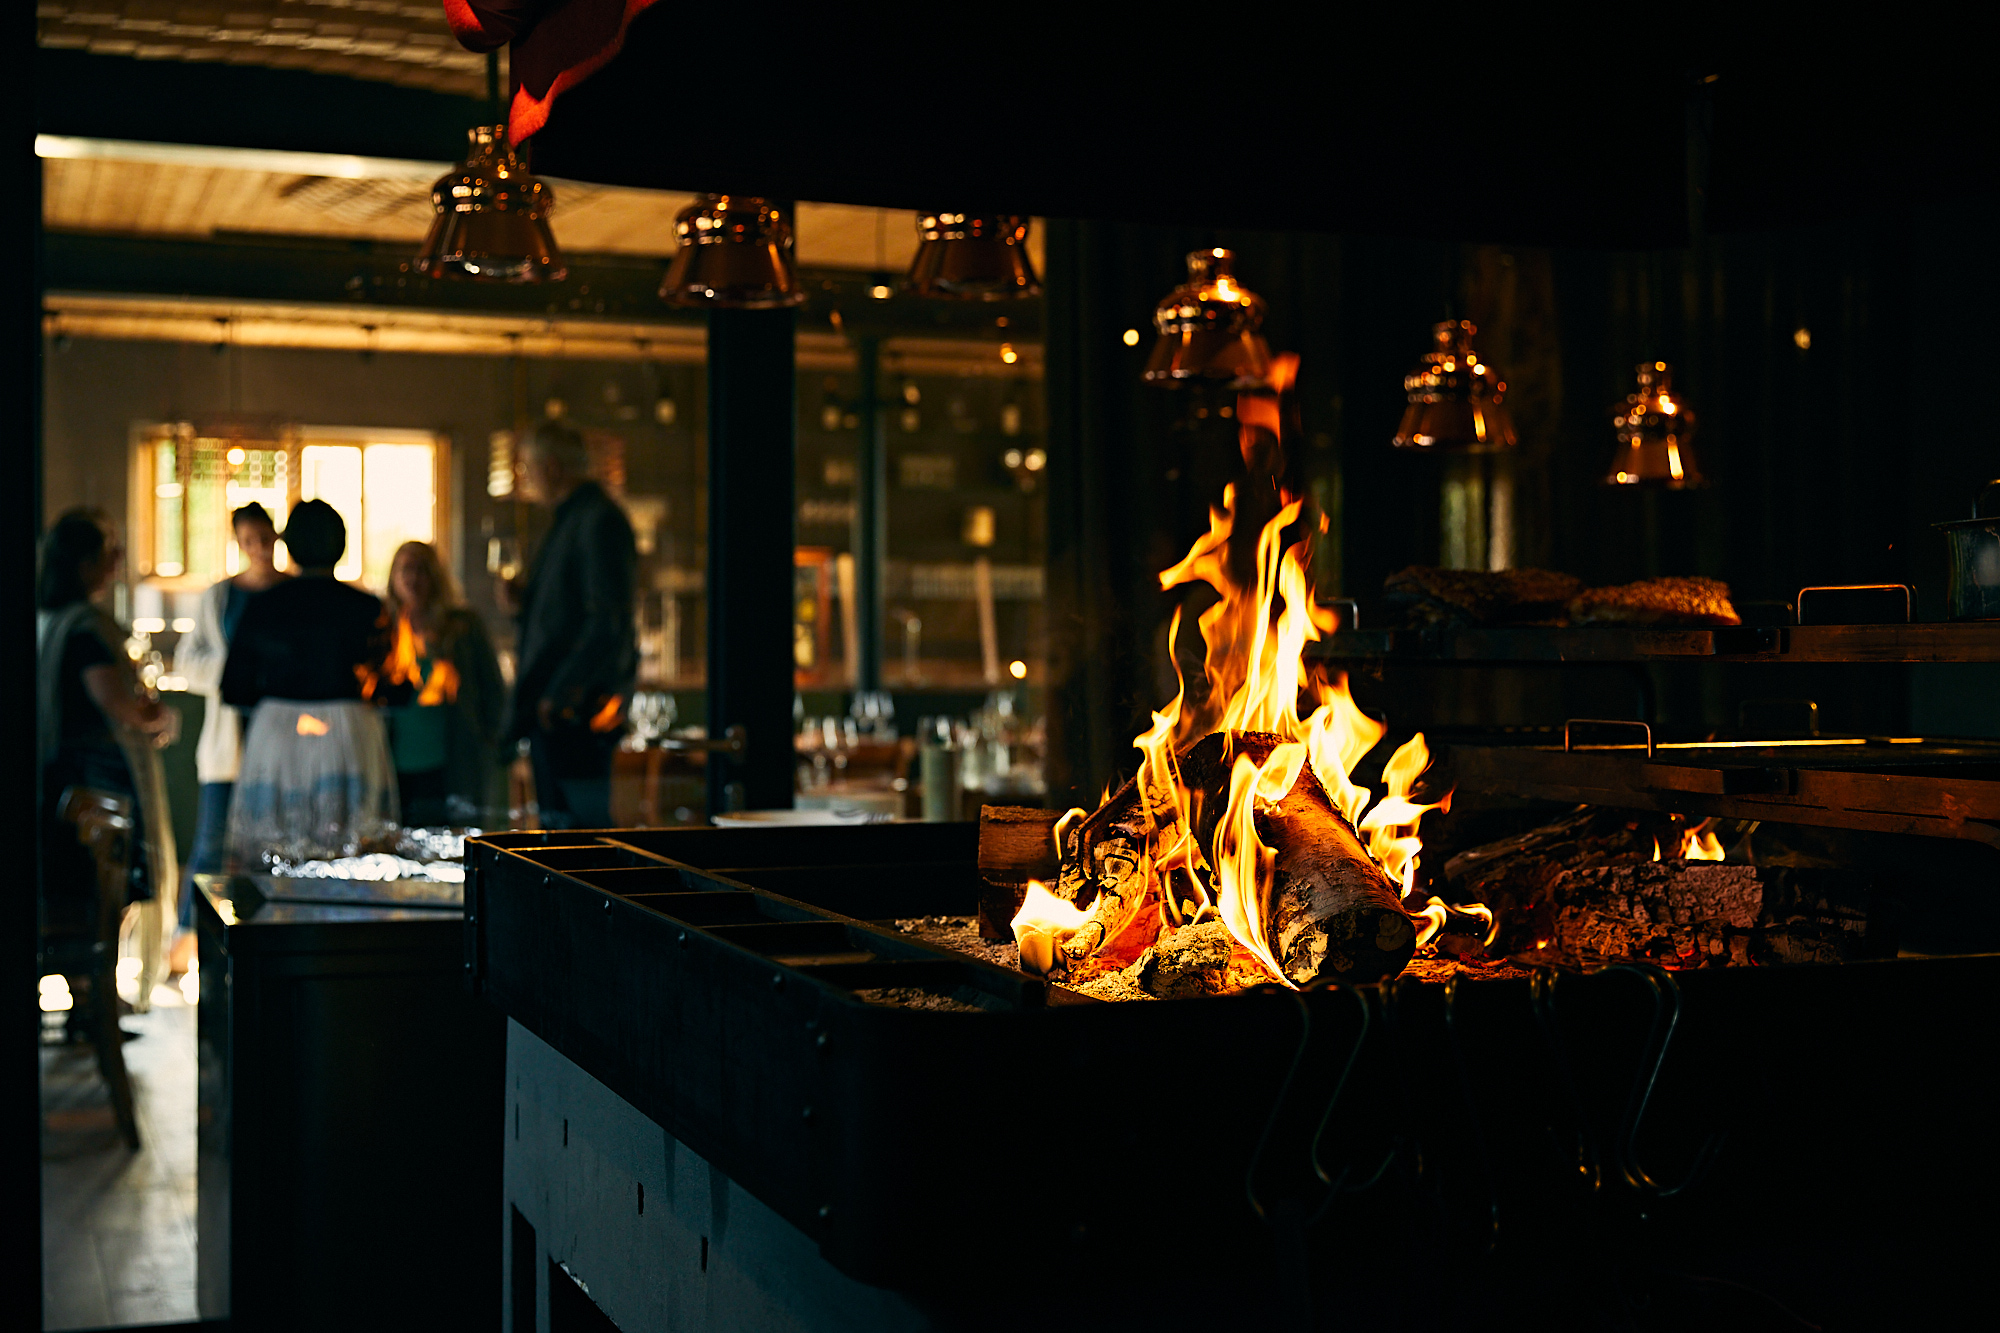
[236,457]
[1131,338]
[1803,337]
[1008,354]
[1036,460]
[880,292]
[1018,670]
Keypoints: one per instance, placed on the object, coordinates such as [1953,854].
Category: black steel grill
[1035,1151]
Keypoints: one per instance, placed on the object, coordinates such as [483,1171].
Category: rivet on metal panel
[684,939]
[607,907]
[777,981]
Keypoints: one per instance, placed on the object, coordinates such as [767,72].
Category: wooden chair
[103,824]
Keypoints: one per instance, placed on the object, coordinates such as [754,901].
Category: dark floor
[118,1228]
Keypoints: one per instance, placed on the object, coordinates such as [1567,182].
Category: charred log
[1332,915]
[1585,890]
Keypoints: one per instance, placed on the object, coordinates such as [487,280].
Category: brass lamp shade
[1655,435]
[1208,327]
[492,219]
[735,253]
[1454,398]
[972,257]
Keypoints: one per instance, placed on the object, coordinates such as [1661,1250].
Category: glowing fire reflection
[404,666]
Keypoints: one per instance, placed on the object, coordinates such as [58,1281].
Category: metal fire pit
[1033,1154]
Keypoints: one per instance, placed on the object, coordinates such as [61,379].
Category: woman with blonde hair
[440,688]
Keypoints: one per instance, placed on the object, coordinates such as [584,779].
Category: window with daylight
[386,484]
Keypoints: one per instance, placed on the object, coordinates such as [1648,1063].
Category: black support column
[752,449]
[871,511]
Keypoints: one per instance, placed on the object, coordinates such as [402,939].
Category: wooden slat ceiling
[404,42]
[203,197]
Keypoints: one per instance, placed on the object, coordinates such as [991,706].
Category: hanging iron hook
[1666,993]
[1542,995]
[1338,1184]
[1278,1106]
[1472,1110]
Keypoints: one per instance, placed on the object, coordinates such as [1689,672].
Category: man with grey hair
[577,654]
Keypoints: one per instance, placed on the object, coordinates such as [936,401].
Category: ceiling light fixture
[735,253]
[972,257]
[1454,398]
[1655,435]
[492,219]
[1208,327]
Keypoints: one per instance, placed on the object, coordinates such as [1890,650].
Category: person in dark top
[577,653]
[97,729]
[315,781]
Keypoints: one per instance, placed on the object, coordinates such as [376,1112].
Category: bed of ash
[1192,962]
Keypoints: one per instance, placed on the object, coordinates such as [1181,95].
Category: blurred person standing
[98,729]
[577,649]
[315,780]
[199,659]
[441,689]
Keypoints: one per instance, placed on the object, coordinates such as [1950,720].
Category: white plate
[774,818]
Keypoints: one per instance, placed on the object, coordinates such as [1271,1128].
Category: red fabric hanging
[555,45]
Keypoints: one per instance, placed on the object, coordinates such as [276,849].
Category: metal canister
[1973,589]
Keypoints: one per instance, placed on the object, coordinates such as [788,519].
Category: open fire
[1243,830]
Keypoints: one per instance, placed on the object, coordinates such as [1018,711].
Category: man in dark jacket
[577,656]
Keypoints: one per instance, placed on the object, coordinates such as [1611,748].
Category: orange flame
[1700,843]
[1253,679]
[311,726]
[1043,925]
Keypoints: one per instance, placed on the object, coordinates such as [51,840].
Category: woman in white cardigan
[199,659]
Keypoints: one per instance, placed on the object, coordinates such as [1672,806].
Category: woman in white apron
[315,782]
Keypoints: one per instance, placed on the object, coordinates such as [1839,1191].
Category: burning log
[1016,845]
[1593,887]
[1331,914]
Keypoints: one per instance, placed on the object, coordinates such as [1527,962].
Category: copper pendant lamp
[1208,327]
[1455,399]
[492,220]
[1655,435]
[972,257]
[735,253]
